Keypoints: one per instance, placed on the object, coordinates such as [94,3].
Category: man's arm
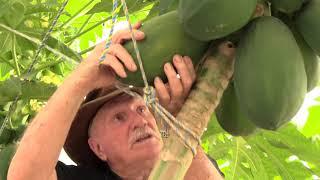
[202,168]
[39,148]
[41,144]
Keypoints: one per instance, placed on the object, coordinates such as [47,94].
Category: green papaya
[164,38]
[207,20]
[230,116]
[6,155]
[311,61]
[308,24]
[270,79]
[287,6]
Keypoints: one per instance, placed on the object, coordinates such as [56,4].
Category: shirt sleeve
[70,172]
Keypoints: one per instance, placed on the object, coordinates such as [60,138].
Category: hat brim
[76,144]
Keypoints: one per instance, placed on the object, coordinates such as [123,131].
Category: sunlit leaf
[312,126]
[4,71]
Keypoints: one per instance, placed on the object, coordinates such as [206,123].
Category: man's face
[126,131]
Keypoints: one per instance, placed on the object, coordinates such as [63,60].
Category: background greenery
[293,152]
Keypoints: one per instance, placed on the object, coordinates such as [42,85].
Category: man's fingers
[184,73]
[162,92]
[123,55]
[124,35]
[190,66]
[114,63]
[137,25]
[176,89]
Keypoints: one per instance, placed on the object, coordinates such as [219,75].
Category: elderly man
[111,135]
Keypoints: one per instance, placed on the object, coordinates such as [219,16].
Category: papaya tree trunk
[213,78]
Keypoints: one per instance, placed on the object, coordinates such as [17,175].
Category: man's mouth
[143,138]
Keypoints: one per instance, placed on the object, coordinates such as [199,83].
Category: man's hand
[95,74]
[172,95]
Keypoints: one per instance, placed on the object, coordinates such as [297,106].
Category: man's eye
[141,109]
[119,117]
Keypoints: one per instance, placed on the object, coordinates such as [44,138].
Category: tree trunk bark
[213,78]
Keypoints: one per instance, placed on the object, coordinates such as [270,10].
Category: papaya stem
[213,79]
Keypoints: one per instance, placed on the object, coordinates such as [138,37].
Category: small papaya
[287,6]
[230,116]
[208,20]
[308,24]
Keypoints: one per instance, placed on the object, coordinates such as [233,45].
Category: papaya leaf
[103,6]
[153,12]
[290,139]
[5,6]
[165,5]
[9,89]
[60,46]
[6,155]
[212,128]
[312,127]
[37,90]
[39,8]
[14,87]
[5,42]
[133,6]
[280,166]
[15,15]
[158,10]
[243,163]
[4,71]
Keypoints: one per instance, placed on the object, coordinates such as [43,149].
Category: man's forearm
[41,144]
[202,168]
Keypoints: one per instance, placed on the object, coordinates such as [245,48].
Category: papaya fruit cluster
[276,65]
[277,61]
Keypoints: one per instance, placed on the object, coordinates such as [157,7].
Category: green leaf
[157,9]
[133,6]
[6,135]
[312,126]
[212,128]
[276,161]
[4,71]
[6,155]
[37,90]
[14,87]
[103,6]
[15,14]
[165,5]
[5,42]
[5,6]
[9,89]
[60,46]
[290,139]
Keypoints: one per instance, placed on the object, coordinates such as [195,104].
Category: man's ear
[97,149]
